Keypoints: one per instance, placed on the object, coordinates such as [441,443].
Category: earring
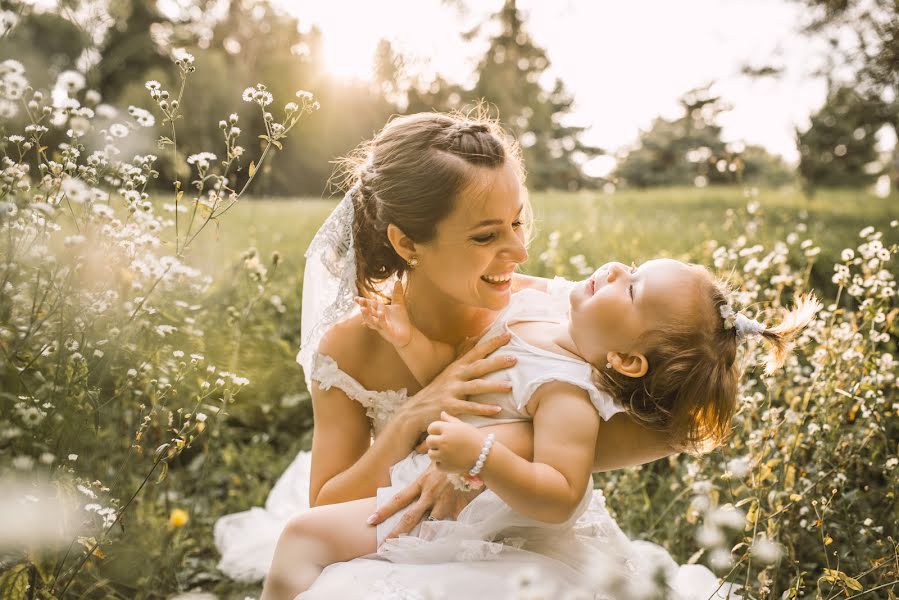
[413,262]
[608,365]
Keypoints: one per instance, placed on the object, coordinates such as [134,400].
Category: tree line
[253,41]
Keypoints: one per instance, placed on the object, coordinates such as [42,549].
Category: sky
[625,63]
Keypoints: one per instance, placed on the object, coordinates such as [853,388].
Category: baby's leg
[315,539]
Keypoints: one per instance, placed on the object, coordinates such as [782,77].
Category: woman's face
[616,305]
[479,244]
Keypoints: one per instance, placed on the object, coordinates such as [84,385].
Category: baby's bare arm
[550,487]
[425,358]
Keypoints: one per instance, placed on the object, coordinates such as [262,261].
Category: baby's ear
[632,365]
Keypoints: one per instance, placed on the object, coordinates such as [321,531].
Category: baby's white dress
[491,550]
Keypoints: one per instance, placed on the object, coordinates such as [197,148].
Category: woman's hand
[449,390]
[430,495]
[454,446]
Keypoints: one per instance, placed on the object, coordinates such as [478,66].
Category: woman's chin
[496,296]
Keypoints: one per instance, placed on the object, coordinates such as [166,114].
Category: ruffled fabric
[247,540]
[379,406]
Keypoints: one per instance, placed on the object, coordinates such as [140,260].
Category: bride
[436,200]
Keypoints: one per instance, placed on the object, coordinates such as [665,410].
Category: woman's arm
[622,442]
[346,464]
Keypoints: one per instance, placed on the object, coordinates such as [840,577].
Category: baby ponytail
[781,337]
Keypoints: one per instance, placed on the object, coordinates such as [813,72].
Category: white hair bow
[744,326]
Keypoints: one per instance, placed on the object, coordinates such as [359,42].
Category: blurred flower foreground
[103,324]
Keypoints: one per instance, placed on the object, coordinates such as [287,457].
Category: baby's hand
[453,445]
[390,320]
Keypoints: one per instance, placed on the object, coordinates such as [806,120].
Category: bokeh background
[150,291]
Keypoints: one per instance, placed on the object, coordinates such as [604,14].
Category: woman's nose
[517,250]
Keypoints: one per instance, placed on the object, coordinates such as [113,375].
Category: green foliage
[509,78]
[863,42]
[252,42]
[689,151]
[118,357]
[840,144]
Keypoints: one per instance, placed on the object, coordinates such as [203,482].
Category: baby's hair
[691,385]
[781,337]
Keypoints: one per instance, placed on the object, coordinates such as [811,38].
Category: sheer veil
[329,280]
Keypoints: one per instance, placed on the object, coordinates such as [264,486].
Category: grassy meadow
[572,233]
[811,468]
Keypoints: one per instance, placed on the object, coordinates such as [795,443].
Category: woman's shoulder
[350,344]
[365,356]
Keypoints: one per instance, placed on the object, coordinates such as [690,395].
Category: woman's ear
[632,365]
[402,244]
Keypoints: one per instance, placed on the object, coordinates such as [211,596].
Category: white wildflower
[23,463]
[118,130]
[201,160]
[720,559]
[143,117]
[259,95]
[728,516]
[86,491]
[181,55]
[738,467]
[70,81]
[766,551]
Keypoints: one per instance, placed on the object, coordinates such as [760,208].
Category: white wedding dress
[490,550]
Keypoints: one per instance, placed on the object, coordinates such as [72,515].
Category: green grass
[630,225]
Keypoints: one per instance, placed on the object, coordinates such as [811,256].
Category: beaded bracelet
[482,457]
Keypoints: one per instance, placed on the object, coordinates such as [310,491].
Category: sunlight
[348,51]
[350,35]
[352,31]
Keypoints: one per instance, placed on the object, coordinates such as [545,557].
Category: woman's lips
[500,286]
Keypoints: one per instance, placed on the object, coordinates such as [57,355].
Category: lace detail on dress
[379,406]
[385,589]
[472,550]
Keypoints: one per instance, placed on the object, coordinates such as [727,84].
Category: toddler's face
[616,305]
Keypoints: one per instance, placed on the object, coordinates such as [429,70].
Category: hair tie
[743,326]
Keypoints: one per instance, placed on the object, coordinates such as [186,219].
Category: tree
[839,146]
[248,42]
[870,53]
[682,151]
[689,151]
[509,78]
